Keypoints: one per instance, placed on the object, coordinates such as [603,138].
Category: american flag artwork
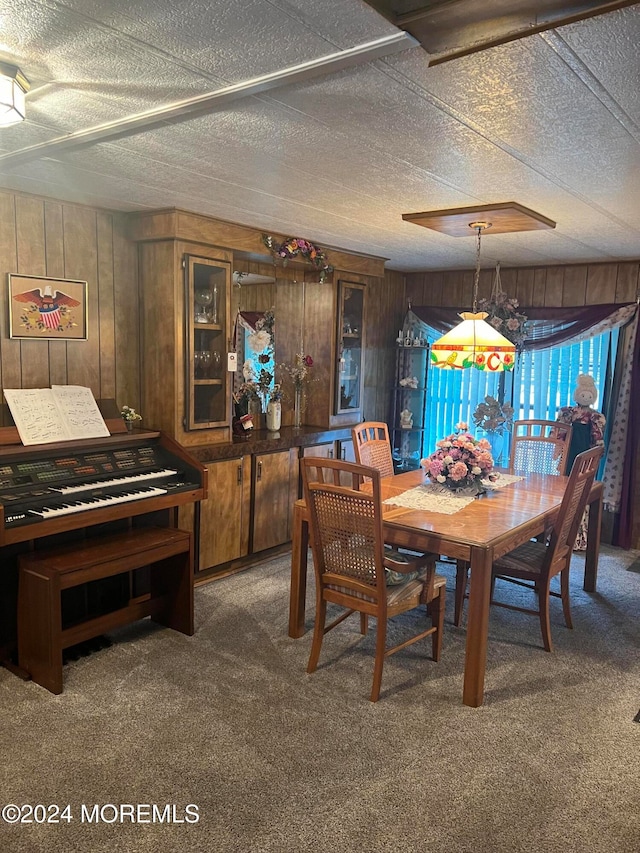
[50,317]
[48,303]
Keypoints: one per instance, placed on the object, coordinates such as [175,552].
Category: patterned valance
[546,327]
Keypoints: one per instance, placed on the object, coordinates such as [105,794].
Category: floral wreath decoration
[505,317]
[293,247]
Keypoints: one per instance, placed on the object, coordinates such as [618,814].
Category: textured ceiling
[334,152]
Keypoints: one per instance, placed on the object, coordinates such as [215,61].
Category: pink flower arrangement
[460,461]
[293,247]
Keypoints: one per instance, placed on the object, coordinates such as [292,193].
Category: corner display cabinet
[207,324]
[350,348]
[185,322]
[409,398]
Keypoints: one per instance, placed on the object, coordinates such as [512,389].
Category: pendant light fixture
[474,342]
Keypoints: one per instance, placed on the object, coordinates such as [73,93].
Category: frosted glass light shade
[474,343]
[13,86]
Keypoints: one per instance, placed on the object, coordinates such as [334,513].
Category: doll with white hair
[588,431]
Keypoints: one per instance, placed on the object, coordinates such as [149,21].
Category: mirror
[255,343]
[255,339]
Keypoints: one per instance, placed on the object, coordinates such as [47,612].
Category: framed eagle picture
[47,308]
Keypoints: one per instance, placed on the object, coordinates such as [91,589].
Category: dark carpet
[280,761]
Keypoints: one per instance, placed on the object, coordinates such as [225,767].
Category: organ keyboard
[47,489]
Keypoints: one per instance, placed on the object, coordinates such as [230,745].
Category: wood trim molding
[176,224]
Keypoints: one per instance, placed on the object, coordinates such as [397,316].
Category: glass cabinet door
[207,322]
[350,347]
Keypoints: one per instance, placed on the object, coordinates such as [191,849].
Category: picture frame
[47,309]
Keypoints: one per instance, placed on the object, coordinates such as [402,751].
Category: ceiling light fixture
[474,342]
[13,87]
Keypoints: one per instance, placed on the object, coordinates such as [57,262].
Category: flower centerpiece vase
[472,490]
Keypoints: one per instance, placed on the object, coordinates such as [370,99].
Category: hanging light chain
[479,227]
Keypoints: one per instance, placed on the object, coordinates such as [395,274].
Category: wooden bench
[44,575]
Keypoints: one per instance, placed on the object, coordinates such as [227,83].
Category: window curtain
[546,327]
[553,327]
[620,473]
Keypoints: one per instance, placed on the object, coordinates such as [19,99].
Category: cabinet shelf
[211,327]
[408,442]
[207,384]
[354,336]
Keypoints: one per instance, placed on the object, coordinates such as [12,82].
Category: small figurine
[406,419]
[588,431]
[409,382]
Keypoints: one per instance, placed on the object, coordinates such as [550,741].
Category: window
[541,383]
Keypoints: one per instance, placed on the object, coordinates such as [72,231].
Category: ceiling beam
[211,101]
[530,30]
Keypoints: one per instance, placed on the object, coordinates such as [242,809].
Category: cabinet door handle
[259,477]
[240,474]
[331,454]
[344,454]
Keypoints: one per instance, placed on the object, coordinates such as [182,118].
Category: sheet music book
[59,413]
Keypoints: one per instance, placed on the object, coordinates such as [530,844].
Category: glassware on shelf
[216,362]
[201,364]
[204,299]
[214,305]
[197,364]
[205,363]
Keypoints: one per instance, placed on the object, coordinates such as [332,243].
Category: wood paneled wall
[555,286]
[48,238]
[305,312]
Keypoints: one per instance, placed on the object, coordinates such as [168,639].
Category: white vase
[274,415]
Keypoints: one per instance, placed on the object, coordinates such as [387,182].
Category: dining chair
[537,447]
[540,447]
[350,565]
[535,563]
[372,447]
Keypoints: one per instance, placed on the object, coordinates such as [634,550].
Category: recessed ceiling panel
[504,218]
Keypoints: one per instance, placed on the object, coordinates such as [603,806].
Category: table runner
[435,498]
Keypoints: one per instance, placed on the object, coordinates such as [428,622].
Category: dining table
[484,529]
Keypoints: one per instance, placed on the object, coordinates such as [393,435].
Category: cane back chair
[540,447]
[372,447]
[537,447]
[536,563]
[350,566]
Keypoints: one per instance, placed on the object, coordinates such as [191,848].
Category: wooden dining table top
[480,532]
[492,519]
